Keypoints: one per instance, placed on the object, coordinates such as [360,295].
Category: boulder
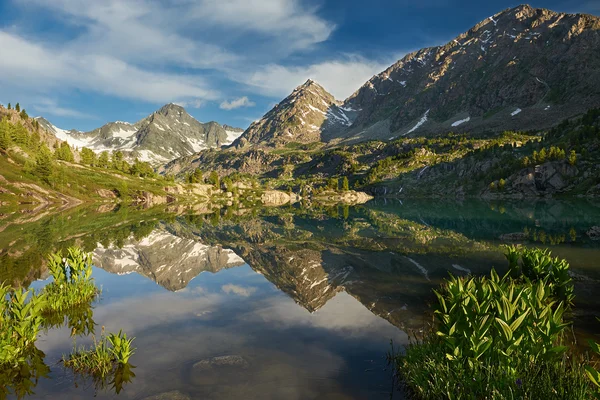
[274,198]
[221,361]
[594,233]
[172,395]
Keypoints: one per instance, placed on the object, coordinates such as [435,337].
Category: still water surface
[291,303]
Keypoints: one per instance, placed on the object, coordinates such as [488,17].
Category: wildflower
[519,382]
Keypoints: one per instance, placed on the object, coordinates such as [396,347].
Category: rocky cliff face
[522,68]
[164,135]
[170,261]
[302,117]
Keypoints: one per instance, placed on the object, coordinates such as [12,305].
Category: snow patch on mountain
[421,122]
[461,121]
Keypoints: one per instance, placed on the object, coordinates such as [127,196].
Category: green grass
[500,337]
[105,363]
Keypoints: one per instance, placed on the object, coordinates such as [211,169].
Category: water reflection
[295,303]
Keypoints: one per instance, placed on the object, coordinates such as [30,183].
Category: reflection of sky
[338,350]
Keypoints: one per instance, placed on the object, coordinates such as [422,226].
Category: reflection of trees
[23,248]
[20,380]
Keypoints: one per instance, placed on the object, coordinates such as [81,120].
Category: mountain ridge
[507,72]
[168,133]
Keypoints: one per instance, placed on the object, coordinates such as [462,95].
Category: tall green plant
[20,319]
[73,284]
[538,265]
[500,337]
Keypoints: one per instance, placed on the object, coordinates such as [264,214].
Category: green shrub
[73,284]
[499,337]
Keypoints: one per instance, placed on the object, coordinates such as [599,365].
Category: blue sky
[82,63]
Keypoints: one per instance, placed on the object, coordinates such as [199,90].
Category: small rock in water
[172,395]
[221,361]
[515,236]
[594,232]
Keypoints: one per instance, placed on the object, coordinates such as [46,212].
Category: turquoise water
[288,303]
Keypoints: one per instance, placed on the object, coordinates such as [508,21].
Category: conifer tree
[64,152]
[88,157]
[18,107]
[214,179]
[345,184]
[43,164]
[5,139]
[103,160]
[117,160]
[9,106]
[572,157]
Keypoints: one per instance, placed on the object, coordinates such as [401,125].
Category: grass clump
[73,284]
[105,362]
[103,356]
[499,337]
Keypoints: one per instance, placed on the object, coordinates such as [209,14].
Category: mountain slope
[522,68]
[301,117]
[164,135]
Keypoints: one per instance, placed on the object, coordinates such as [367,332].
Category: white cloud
[340,77]
[288,19]
[239,290]
[48,69]
[237,103]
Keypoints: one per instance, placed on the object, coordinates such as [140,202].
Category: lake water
[294,303]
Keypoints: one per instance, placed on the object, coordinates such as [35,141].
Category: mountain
[520,69]
[170,261]
[164,135]
[300,117]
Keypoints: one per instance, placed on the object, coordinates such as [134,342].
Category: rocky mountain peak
[172,109]
[505,73]
[168,133]
[302,117]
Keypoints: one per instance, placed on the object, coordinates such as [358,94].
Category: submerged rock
[221,361]
[172,395]
[594,233]
[514,237]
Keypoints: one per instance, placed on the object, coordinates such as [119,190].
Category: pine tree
[9,106]
[345,184]
[103,160]
[5,139]
[542,156]
[24,115]
[18,107]
[88,157]
[117,160]
[43,164]
[572,157]
[196,176]
[214,179]
[19,134]
[64,153]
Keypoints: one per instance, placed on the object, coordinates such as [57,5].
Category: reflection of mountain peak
[170,261]
[299,273]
